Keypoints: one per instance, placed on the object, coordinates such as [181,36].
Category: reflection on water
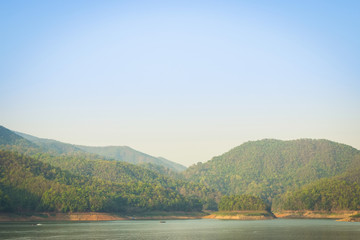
[185,229]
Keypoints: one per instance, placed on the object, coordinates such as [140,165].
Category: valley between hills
[43,179]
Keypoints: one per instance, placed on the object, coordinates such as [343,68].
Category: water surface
[185,229]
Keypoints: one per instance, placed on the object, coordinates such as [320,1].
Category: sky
[185,80]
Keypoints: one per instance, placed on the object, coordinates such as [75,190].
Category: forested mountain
[268,168]
[119,153]
[68,158]
[27,184]
[292,175]
[120,172]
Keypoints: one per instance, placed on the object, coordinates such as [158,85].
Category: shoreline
[96,216]
[345,216]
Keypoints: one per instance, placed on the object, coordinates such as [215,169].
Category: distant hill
[268,168]
[51,146]
[127,154]
[10,140]
[118,153]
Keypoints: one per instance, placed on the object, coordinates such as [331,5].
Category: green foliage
[242,203]
[268,168]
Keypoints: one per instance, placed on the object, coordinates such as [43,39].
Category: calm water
[185,229]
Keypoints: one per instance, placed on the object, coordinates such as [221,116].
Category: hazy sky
[186,80]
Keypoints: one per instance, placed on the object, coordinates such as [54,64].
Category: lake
[208,229]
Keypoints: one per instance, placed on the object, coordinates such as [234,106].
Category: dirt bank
[241,215]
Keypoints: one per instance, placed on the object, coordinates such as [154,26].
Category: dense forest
[120,172]
[269,168]
[242,202]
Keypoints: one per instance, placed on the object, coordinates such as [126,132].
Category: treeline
[27,184]
[242,203]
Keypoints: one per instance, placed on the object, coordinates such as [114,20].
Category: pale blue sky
[185,80]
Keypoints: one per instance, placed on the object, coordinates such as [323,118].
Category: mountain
[10,140]
[127,154]
[268,168]
[50,146]
[93,167]
[289,175]
[118,153]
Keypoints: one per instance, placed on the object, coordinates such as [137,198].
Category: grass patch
[356,215]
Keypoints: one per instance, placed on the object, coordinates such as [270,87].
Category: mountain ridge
[118,153]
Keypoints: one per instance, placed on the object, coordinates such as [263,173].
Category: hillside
[118,153]
[328,194]
[27,184]
[268,168]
